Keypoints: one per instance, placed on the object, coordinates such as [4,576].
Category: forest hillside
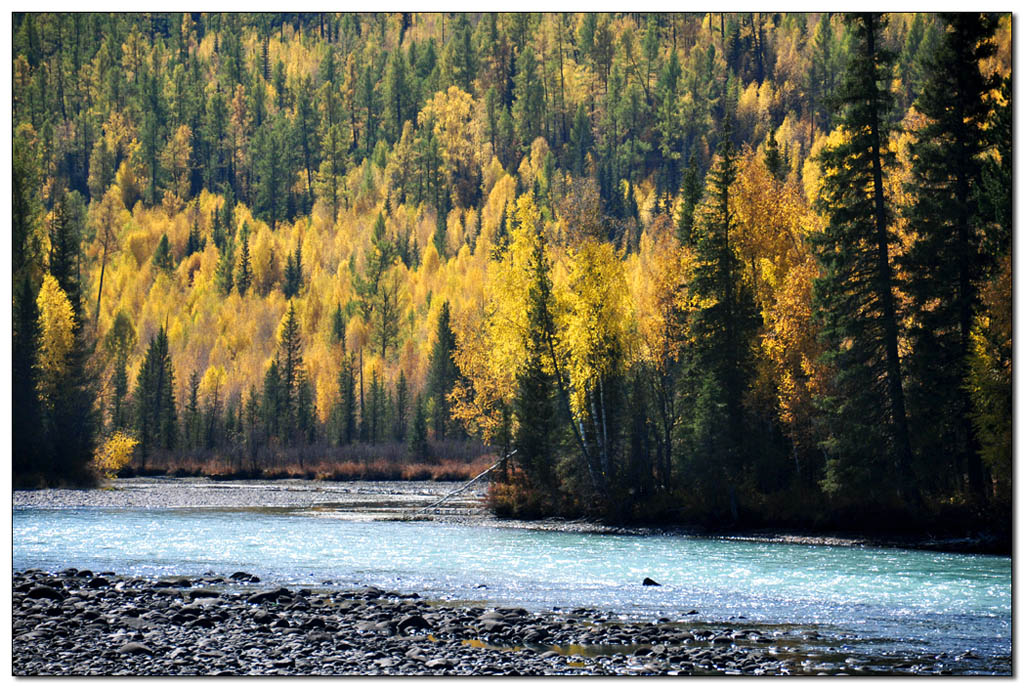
[746,268]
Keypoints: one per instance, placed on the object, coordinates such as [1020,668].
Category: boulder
[134,649]
[40,592]
[650,581]
[413,622]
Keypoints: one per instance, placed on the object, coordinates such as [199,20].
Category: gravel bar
[80,623]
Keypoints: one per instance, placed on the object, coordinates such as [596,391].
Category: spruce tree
[401,410]
[442,373]
[691,197]
[162,258]
[946,263]
[723,329]
[28,447]
[70,419]
[155,414]
[419,446]
[868,442]
[224,275]
[243,271]
[290,368]
[273,403]
[535,401]
[346,402]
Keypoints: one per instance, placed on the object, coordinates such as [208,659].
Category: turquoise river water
[880,602]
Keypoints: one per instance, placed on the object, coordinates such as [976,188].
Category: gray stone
[134,649]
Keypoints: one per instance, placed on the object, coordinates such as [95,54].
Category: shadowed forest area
[741,270]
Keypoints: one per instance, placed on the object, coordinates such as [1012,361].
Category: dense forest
[722,268]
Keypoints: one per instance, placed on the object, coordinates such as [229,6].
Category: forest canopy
[727,267]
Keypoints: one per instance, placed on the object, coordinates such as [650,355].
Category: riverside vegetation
[738,269]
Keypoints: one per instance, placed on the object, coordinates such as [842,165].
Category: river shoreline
[410,500]
[79,623]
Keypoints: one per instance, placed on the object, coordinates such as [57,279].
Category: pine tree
[70,418]
[773,159]
[419,446]
[192,421]
[28,441]
[869,440]
[155,414]
[946,264]
[442,373]
[292,283]
[290,367]
[723,329]
[224,275]
[400,418]
[346,402]
[162,258]
[243,271]
[196,242]
[691,197]
[338,327]
[535,401]
[273,404]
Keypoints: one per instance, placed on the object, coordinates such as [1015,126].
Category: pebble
[63,626]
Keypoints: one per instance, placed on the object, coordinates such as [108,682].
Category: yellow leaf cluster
[113,454]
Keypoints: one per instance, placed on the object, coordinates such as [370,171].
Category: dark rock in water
[244,577]
[97,582]
[691,612]
[134,649]
[40,592]
[650,581]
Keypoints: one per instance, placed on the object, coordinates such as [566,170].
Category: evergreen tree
[196,242]
[375,419]
[162,258]
[581,140]
[273,404]
[442,373]
[292,283]
[869,442]
[346,402]
[243,271]
[155,415]
[28,449]
[70,419]
[419,447]
[400,418]
[338,327]
[535,409]
[192,422]
[119,343]
[773,159]
[945,264]
[290,368]
[724,331]
[224,275]
[691,197]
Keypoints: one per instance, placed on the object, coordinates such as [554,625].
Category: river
[888,605]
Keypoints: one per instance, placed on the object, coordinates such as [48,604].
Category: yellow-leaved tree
[56,337]
[114,454]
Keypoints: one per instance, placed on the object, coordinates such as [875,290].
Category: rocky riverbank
[76,623]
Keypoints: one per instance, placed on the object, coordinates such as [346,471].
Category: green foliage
[162,258]
[155,411]
[442,373]
[867,440]
[946,264]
